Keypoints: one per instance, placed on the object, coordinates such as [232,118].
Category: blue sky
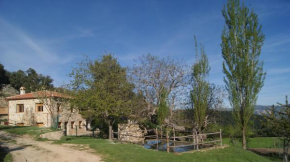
[52,36]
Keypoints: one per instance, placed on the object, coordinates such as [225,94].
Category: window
[80,124]
[59,125]
[58,107]
[39,124]
[39,107]
[20,108]
[72,125]
[20,124]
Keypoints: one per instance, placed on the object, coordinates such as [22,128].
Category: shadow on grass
[273,154]
[3,153]
[10,127]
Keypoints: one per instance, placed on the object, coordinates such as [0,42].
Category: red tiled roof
[39,94]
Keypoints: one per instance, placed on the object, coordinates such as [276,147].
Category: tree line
[29,79]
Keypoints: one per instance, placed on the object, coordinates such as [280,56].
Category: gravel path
[25,149]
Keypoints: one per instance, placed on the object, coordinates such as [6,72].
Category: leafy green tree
[4,78]
[279,122]
[17,79]
[101,89]
[163,109]
[242,40]
[30,79]
[200,88]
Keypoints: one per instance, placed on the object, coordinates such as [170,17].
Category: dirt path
[25,149]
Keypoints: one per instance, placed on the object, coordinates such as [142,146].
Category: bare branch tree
[151,74]
[54,103]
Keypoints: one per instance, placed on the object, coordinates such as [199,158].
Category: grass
[259,142]
[8,158]
[112,152]
[21,130]
[118,152]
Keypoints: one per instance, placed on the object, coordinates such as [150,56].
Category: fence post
[193,139]
[221,137]
[76,130]
[167,141]
[157,139]
[174,136]
[161,132]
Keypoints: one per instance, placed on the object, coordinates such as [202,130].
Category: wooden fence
[195,140]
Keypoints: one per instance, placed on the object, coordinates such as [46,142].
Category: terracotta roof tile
[37,94]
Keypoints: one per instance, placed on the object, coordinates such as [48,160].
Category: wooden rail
[197,139]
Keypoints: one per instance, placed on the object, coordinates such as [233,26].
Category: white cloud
[19,50]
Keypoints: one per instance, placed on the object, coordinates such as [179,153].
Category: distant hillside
[259,109]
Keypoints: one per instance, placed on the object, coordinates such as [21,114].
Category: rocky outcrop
[53,135]
[130,133]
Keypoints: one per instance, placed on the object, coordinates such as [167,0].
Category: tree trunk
[244,139]
[285,152]
[110,132]
[88,123]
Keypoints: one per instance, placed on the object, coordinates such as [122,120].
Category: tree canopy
[200,92]
[29,79]
[4,77]
[151,74]
[101,89]
[242,39]
[279,122]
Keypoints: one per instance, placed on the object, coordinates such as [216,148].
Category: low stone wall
[130,133]
[53,135]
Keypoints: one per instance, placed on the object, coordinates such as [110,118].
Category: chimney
[22,90]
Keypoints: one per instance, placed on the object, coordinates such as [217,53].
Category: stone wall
[31,117]
[130,133]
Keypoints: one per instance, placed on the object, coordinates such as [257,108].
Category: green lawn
[21,130]
[112,152]
[259,142]
[118,152]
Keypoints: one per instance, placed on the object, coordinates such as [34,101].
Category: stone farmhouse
[44,109]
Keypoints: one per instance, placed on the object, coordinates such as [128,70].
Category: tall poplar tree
[200,88]
[242,40]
